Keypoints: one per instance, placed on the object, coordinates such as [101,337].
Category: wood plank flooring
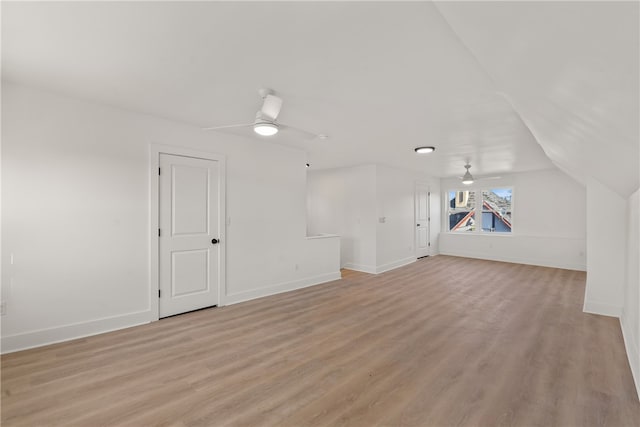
[442,342]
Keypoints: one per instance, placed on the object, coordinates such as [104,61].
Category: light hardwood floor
[442,342]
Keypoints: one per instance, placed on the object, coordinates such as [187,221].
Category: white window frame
[478,189]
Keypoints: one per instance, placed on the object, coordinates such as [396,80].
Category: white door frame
[154,219]
[421,184]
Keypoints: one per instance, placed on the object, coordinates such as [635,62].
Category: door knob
[418,225]
[215,241]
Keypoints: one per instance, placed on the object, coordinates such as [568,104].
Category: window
[495,210]
[462,211]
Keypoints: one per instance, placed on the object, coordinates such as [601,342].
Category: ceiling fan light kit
[265,123]
[467,179]
[265,129]
[424,150]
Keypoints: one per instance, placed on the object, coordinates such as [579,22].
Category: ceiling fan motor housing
[260,118]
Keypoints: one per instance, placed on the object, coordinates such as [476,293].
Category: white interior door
[189,246]
[423,243]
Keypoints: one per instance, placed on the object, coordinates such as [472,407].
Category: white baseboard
[42,337]
[602,309]
[280,288]
[73,331]
[517,260]
[632,354]
[395,264]
[371,269]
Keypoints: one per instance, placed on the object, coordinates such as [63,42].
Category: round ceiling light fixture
[265,128]
[424,150]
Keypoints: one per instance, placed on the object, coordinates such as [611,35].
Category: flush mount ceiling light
[424,150]
[467,179]
[265,128]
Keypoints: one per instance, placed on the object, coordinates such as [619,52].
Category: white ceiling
[380,78]
[571,70]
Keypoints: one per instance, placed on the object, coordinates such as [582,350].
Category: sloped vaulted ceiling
[495,83]
[379,77]
[570,70]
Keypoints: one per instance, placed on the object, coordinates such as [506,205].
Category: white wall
[395,237]
[75,200]
[350,202]
[343,201]
[606,250]
[549,222]
[630,318]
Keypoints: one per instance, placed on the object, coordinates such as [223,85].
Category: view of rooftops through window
[496,210]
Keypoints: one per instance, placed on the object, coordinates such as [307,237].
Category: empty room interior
[320,213]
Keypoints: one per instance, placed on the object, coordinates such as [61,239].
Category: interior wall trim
[395,264]
[595,307]
[281,287]
[41,337]
[371,269]
[517,260]
[633,354]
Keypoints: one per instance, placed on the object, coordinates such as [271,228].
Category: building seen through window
[495,210]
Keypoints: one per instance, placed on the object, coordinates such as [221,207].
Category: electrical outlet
[3,308]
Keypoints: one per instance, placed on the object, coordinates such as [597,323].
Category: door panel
[190,272]
[189,221]
[422,239]
[190,199]
[422,221]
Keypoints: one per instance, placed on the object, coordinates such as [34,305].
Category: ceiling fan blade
[307,134]
[482,178]
[228,126]
[271,107]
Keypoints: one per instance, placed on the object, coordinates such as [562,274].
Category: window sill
[462,233]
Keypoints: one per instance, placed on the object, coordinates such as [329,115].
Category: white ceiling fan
[265,123]
[468,179]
